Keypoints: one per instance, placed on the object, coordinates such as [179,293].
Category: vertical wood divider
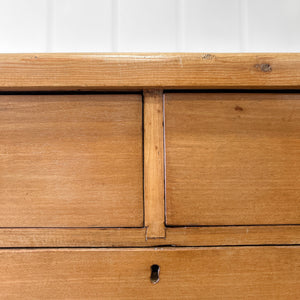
[154,193]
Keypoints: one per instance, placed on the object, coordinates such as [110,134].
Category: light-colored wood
[71,161]
[135,237]
[124,71]
[191,273]
[154,164]
[233,235]
[232,159]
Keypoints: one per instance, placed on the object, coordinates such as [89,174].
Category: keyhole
[154,278]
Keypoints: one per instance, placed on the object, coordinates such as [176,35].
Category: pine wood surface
[154,189]
[71,161]
[232,158]
[189,273]
[136,237]
[138,71]
[77,171]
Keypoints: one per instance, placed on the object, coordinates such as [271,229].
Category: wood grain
[154,193]
[190,273]
[232,159]
[135,237]
[71,161]
[137,71]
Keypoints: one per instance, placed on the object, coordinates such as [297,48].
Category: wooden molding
[137,71]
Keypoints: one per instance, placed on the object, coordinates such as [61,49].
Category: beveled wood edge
[135,237]
[138,71]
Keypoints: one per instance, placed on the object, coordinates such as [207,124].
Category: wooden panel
[207,273]
[71,160]
[125,71]
[135,237]
[232,159]
[154,164]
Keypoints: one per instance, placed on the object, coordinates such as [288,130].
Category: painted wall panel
[212,25]
[274,25]
[23,26]
[147,25]
[81,26]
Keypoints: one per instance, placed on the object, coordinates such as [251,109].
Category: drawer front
[232,158]
[190,273]
[71,161]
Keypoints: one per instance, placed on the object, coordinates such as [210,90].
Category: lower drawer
[185,273]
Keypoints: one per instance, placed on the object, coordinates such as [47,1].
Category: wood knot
[264,67]
[207,56]
[238,108]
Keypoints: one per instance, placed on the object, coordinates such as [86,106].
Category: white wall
[149,25]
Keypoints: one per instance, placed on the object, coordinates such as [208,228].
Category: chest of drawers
[150,176]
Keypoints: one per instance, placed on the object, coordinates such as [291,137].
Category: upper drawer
[232,158]
[71,161]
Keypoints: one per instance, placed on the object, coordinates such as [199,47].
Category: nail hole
[154,278]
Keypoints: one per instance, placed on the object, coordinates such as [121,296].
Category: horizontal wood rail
[138,71]
[135,237]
